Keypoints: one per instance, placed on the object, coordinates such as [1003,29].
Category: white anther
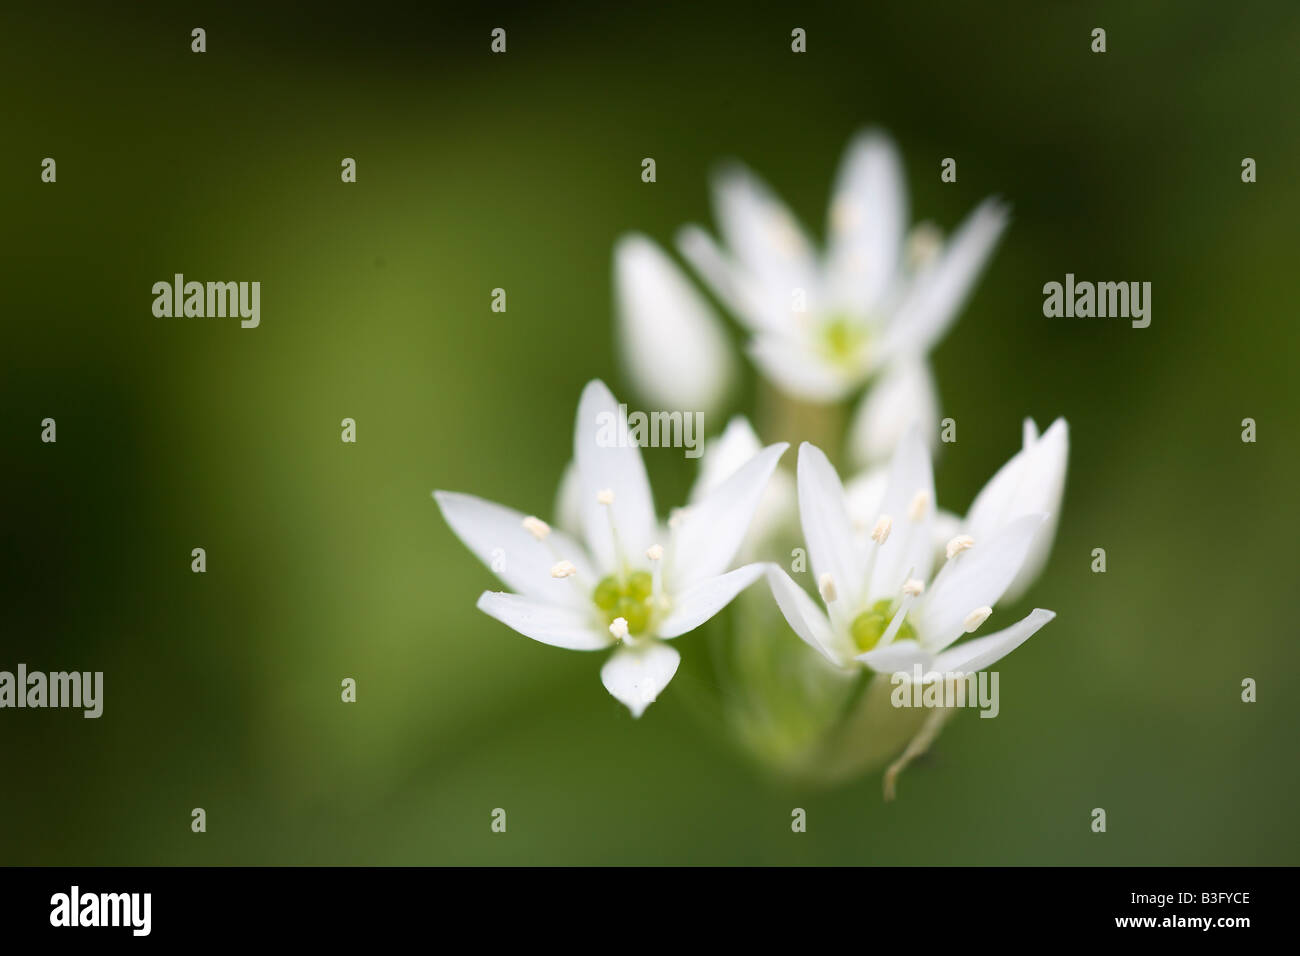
[913,587]
[921,501]
[826,584]
[975,618]
[605,496]
[880,533]
[563,569]
[655,552]
[538,528]
[959,544]
[618,627]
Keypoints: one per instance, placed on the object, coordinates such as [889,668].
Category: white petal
[568,500]
[756,307]
[804,616]
[1033,480]
[709,533]
[827,528]
[863,494]
[608,460]
[637,675]
[798,370]
[673,346]
[696,605]
[971,656]
[975,578]
[497,537]
[897,656]
[938,291]
[725,455]
[573,628]
[764,236]
[868,218]
[909,550]
[904,395]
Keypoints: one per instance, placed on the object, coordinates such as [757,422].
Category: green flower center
[842,338]
[630,597]
[870,626]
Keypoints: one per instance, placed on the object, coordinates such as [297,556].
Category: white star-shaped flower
[1032,480]
[880,606]
[874,303]
[629,583]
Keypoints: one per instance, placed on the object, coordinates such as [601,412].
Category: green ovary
[629,597]
[869,626]
[842,338]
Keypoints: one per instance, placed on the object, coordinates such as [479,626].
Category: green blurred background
[475,171]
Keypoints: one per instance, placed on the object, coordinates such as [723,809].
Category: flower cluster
[895,582]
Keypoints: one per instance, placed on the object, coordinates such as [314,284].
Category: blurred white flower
[882,608]
[878,299]
[903,395]
[629,582]
[726,455]
[672,344]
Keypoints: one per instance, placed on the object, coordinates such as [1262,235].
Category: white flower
[673,346]
[630,582]
[877,300]
[882,608]
[1032,481]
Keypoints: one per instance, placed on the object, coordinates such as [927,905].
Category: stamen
[959,544]
[913,587]
[618,627]
[920,502]
[605,496]
[655,552]
[538,528]
[975,618]
[880,534]
[826,584]
[564,569]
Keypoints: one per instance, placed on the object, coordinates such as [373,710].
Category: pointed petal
[971,656]
[568,500]
[863,494]
[867,223]
[898,656]
[937,293]
[567,627]
[909,550]
[754,306]
[725,455]
[708,534]
[975,578]
[497,537]
[696,605]
[637,675]
[673,346]
[764,236]
[1033,480]
[608,460]
[904,395]
[804,616]
[827,528]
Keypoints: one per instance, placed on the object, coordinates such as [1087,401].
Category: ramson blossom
[624,581]
[874,303]
[881,607]
[1033,480]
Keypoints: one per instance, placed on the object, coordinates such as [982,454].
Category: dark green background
[328,560]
